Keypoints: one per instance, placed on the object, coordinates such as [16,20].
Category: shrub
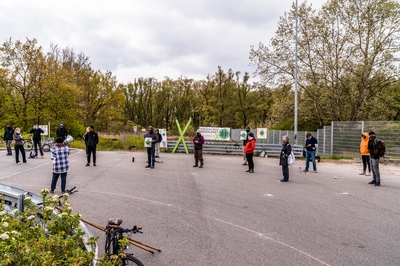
[38,236]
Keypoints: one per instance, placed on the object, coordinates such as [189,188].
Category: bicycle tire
[46,147]
[131,260]
[28,145]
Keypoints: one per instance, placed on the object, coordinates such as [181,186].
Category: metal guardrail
[236,148]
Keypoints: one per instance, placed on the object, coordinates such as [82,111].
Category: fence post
[331,138]
[323,143]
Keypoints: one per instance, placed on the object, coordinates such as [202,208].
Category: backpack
[32,154]
[291,158]
[262,153]
[381,148]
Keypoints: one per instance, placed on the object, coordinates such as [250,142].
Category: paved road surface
[220,215]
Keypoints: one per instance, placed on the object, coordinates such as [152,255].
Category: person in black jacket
[152,138]
[244,144]
[37,139]
[8,138]
[157,146]
[91,141]
[376,149]
[311,147]
[62,131]
[285,152]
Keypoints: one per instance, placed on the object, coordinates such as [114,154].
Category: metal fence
[341,138]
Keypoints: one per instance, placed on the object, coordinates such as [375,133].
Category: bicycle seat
[115,221]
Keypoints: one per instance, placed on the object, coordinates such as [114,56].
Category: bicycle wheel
[131,260]
[46,147]
[28,146]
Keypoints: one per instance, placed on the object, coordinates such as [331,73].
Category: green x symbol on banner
[181,136]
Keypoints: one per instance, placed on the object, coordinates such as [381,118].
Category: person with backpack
[283,160]
[310,146]
[376,148]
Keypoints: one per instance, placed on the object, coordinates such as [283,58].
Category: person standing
[151,150]
[198,142]
[91,141]
[365,154]
[249,150]
[19,146]
[311,146]
[244,144]
[62,131]
[37,139]
[157,146]
[283,160]
[376,148]
[59,156]
[8,137]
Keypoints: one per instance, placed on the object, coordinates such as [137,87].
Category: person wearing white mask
[19,146]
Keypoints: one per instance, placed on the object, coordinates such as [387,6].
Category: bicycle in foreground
[114,239]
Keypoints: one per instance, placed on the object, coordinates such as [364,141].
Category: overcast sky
[150,38]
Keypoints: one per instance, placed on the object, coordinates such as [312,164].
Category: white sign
[163,133]
[243,134]
[134,129]
[147,142]
[262,133]
[216,133]
[45,128]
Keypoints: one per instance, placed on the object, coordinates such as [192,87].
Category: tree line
[347,55]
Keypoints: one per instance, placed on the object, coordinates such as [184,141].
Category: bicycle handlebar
[135,229]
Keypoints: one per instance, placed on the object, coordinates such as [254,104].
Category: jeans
[55,179]
[8,143]
[91,150]
[38,143]
[310,154]
[20,148]
[365,160]
[285,172]
[376,176]
[151,156]
[249,157]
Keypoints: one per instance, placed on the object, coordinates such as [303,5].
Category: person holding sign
[150,140]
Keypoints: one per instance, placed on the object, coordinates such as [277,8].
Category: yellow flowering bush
[38,236]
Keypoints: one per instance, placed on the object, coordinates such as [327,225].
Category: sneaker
[88,164]
[196,165]
[152,167]
[201,166]
[147,166]
[315,171]
[244,163]
[26,162]
[35,157]
[373,182]
[63,191]
[378,184]
[248,171]
[368,174]
[42,157]
[51,191]
[363,173]
[94,164]
[283,180]
[18,162]
[305,170]
[251,171]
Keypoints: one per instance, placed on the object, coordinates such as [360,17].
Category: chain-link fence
[340,138]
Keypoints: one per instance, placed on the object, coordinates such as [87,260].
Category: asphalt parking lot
[220,215]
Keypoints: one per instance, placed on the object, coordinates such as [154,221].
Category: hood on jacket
[366,136]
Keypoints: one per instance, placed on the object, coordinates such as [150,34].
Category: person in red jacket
[249,150]
[365,154]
